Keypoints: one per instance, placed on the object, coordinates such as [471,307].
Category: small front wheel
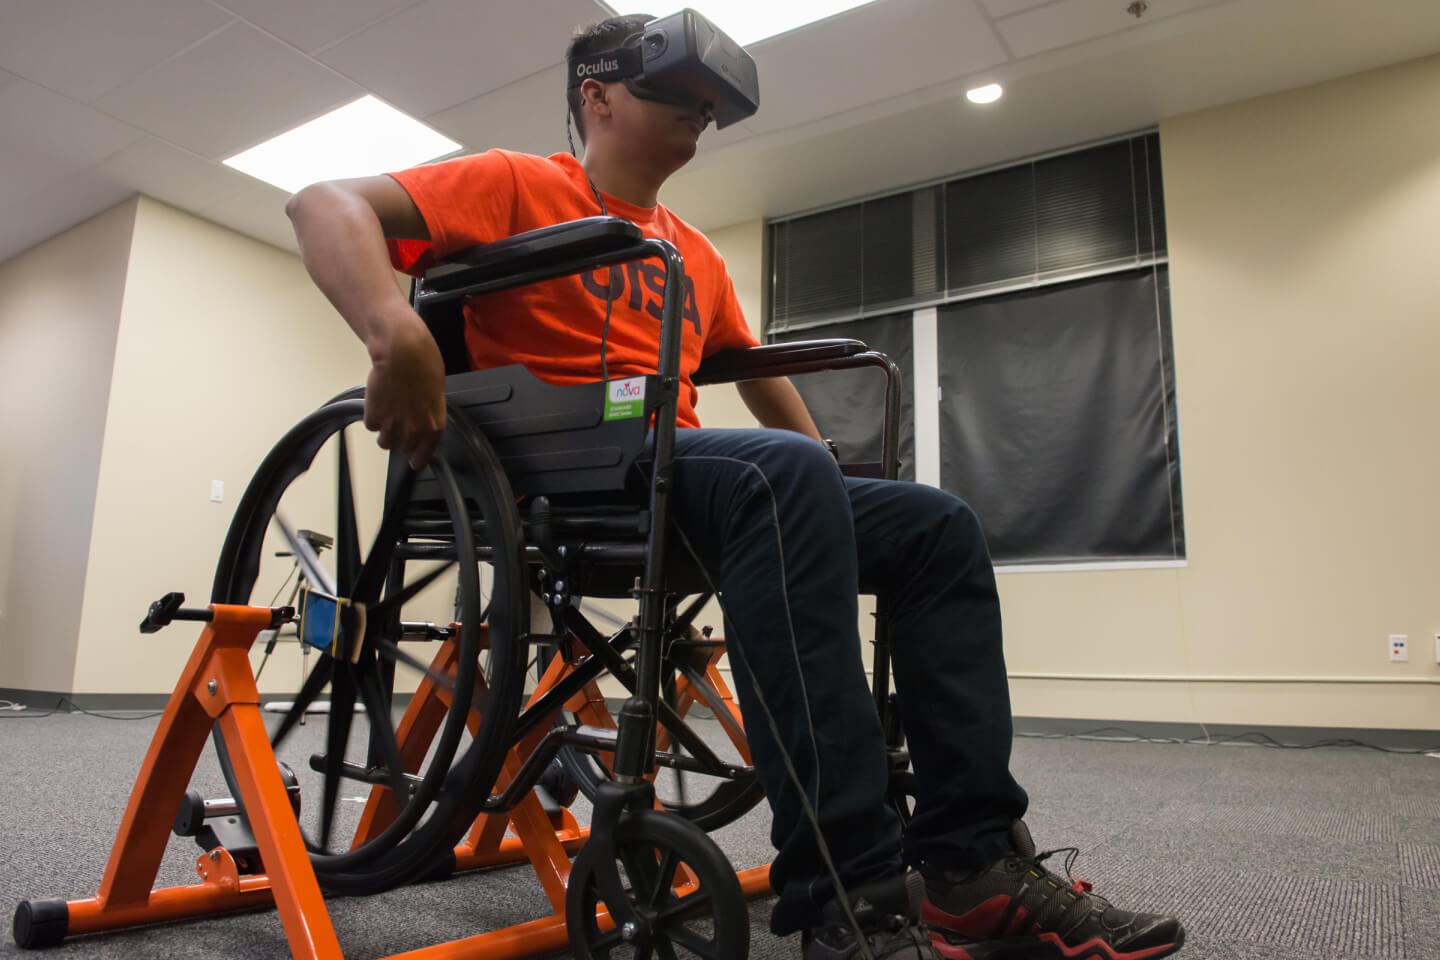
[672,895]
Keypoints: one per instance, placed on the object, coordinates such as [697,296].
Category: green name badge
[625,398]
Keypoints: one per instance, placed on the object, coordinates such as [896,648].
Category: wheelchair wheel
[669,891]
[710,801]
[425,567]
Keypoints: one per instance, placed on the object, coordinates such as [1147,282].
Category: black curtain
[1057,419]
[848,405]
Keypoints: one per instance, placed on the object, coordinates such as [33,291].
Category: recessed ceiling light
[986,94]
[747,21]
[360,139]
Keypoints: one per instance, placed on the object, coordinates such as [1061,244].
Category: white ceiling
[100,99]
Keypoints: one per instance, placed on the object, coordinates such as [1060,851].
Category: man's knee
[958,535]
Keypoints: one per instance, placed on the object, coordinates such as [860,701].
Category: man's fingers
[424,449]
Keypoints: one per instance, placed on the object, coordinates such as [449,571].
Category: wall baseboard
[48,700]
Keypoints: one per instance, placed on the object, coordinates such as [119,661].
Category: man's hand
[405,392]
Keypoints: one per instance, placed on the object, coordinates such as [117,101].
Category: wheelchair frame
[217,685]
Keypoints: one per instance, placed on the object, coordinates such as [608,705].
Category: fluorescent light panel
[360,139]
[986,94]
[749,20]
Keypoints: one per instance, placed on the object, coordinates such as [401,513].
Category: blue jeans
[791,543]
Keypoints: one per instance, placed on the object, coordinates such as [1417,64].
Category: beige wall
[224,343]
[59,312]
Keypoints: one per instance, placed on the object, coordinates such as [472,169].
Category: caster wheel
[561,785]
[669,891]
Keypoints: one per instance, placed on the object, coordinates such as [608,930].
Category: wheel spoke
[606,940]
[689,939]
[382,730]
[666,951]
[665,878]
[642,952]
[337,737]
[390,649]
[308,692]
[347,534]
[637,869]
[319,577]
[377,564]
[394,602]
[688,906]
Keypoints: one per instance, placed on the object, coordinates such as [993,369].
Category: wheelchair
[554,492]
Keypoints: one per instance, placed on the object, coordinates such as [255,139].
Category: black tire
[709,921]
[441,806]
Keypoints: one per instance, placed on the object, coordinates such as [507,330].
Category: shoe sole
[1045,946]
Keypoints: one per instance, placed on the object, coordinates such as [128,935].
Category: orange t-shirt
[554,328]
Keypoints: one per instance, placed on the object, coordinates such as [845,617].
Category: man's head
[613,113]
[605,35]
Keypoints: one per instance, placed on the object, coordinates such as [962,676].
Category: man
[790,540]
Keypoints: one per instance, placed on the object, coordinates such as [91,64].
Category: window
[1053,369]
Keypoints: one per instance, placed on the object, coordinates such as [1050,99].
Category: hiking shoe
[888,912]
[1015,909]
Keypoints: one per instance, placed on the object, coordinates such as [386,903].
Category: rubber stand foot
[41,923]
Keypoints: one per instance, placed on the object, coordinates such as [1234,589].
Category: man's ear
[593,93]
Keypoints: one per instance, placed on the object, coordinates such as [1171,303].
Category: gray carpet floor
[1264,853]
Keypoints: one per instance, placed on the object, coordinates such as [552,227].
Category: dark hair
[605,35]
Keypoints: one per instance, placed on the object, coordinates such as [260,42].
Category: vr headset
[683,60]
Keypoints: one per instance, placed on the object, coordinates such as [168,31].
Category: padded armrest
[591,237]
[753,363]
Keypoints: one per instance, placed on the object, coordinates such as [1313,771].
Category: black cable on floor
[25,714]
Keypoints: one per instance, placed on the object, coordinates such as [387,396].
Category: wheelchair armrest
[534,252]
[777,359]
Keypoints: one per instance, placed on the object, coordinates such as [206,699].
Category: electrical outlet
[1399,648]
[217,491]
[1437,646]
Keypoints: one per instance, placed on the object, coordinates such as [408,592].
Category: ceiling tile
[230,92]
[529,116]
[1074,21]
[45,213]
[446,52]
[48,137]
[172,175]
[258,211]
[1004,8]
[812,73]
[314,23]
[82,48]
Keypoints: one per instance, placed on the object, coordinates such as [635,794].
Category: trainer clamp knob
[161,612]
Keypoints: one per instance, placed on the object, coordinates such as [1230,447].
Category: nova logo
[591,69]
[627,390]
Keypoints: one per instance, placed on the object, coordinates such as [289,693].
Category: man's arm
[342,227]
[776,403]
